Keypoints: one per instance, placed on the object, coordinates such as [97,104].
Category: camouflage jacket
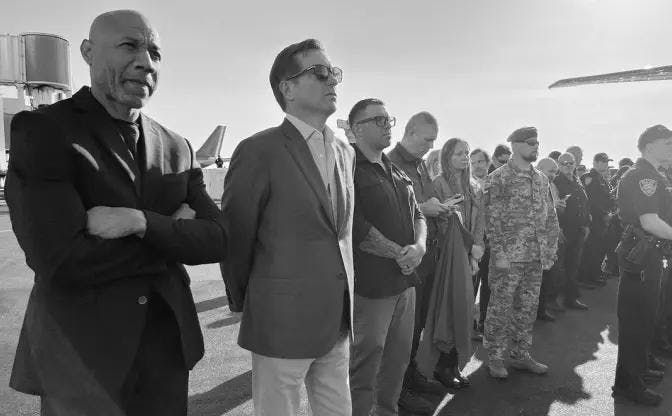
[521,222]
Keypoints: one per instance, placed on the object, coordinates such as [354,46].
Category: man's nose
[144,60]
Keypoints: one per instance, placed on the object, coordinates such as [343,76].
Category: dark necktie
[130,132]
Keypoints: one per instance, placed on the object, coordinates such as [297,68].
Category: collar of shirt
[529,172]
[406,155]
[645,164]
[307,131]
[361,158]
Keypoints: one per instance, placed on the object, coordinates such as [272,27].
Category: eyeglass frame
[391,121]
[330,70]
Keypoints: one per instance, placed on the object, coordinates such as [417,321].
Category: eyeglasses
[381,121]
[532,142]
[321,72]
[567,163]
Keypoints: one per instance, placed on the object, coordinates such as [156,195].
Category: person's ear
[86,49]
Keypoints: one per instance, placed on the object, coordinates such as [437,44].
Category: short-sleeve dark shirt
[642,190]
[384,199]
[416,169]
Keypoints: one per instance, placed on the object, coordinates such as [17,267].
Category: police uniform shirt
[643,190]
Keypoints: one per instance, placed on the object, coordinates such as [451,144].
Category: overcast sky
[481,67]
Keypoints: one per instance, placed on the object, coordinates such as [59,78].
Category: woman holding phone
[447,340]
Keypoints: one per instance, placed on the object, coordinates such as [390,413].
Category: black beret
[652,134]
[522,134]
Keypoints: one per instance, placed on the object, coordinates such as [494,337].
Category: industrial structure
[34,71]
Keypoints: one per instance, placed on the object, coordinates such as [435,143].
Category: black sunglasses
[321,72]
[381,121]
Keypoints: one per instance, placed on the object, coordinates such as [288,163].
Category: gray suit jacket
[290,269]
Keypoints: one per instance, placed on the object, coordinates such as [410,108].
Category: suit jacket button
[340,276]
[142,300]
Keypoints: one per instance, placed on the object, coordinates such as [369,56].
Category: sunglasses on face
[567,163]
[321,72]
[531,142]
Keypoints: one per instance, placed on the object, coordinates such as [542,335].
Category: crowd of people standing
[356,270]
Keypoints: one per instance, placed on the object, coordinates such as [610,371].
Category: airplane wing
[648,74]
[209,152]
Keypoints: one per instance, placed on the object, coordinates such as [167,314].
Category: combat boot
[497,369]
[529,364]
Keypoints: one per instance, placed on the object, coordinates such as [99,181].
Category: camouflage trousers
[514,296]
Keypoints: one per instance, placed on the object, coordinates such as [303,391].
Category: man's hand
[184,212]
[474,266]
[115,222]
[560,204]
[477,252]
[433,207]
[410,257]
[547,264]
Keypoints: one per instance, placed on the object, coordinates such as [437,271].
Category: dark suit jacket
[291,266]
[84,317]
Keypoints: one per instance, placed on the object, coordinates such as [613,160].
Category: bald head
[420,133]
[124,57]
[548,167]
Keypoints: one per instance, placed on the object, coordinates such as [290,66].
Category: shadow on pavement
[223,398]
[575,384]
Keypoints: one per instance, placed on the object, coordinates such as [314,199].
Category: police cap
[653,134]
[522,134]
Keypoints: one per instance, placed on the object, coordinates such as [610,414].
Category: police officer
[601,206]
[645,207]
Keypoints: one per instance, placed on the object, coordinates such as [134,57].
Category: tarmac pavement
[580,348]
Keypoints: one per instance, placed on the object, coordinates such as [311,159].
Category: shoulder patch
[648,186]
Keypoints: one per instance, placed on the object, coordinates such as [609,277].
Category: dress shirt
[321,145]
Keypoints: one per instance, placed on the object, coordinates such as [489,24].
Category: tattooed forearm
[375,243]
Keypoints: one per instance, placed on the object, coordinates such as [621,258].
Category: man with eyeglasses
[389,235]
[289,200]
[574,222]
[522,227]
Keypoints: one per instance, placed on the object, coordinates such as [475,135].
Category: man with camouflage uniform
[523,229]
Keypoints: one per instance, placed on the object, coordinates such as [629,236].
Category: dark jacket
[577,212]
[85,315]
[600,200]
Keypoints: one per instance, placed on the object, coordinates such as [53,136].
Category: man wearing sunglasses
[389,235]
[289,198]
[574,222]
[523,230]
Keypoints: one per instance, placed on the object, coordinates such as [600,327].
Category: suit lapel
[298,149]
[153,160]
[108,135]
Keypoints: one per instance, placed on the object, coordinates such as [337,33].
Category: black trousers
[638,294]
[482,278]
[157,383]
[422,296]
[594,251]
[664,324]
[573,253]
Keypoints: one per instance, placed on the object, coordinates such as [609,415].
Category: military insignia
[648,186]
[588,180]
